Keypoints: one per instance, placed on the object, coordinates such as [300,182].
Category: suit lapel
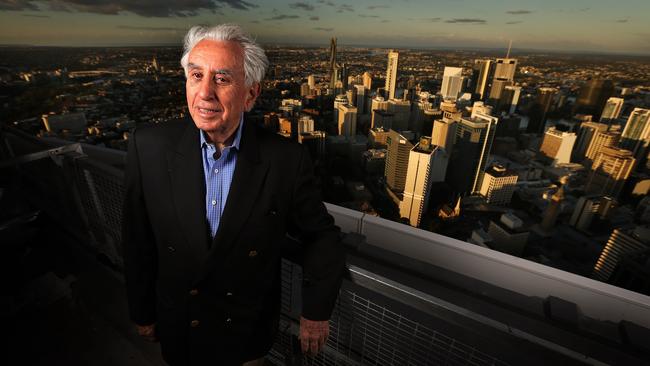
[247,181]
[188,191]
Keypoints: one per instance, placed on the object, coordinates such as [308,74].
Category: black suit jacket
[216,301]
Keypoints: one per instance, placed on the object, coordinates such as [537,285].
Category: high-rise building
[509,99]
[427,164]
[587,207]
[361,99]
[391,73]
[367,80]
[339,100]
[557,145]
[397,158]
[401,109]
[611,168]
[382,119]
[498,185]
[508,235]
[505,69]
[315,142]
[553,209]
[540,109]
[311,81]
[593,96]
[444,133]
[347,123]
[636,135]
[305,125]
[474,137]
[620,243]
[333,68]
[481,76]
[586,134]
[452,82]
[612,109]
[599,141]
[498,86]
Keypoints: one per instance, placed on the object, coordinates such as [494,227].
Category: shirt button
[228,320]
[216,170]
[194,323]
[194,292]
[214,202]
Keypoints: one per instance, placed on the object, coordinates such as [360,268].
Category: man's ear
[253,92]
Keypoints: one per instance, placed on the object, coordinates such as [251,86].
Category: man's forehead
[216,55]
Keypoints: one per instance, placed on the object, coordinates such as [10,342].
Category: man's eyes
[218,79]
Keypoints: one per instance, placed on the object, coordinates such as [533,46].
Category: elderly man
[208,201]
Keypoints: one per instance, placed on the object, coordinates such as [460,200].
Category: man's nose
[206,89]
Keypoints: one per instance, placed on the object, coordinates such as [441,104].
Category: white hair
[255,60]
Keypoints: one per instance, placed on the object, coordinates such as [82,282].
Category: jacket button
[228,320]
[194,323]
[228,293]
[194,292]
[171,249]
[252,253]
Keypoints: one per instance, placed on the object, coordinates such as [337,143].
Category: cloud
[303,6]
[135,27]
[622,20]
[373,7]
[385,21]
[345,7]
[518,12]
[35,16]
[283,17]
[314,18]
[145,8]
[368,16]
[323,29]
[466,21]
[431,20]
[515,22]
[328,3]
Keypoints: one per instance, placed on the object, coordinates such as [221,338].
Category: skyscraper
[397,158]
[481,76]
[620,243]
[470,154]
[498,185]
[587,132]
[505,69]
[588,207]
[540,109]
[498,86]
[636,135]
[598,142]
[444,133]
[427,164]
[557,145]
[452,82]
[347,123]
[333,69]
[509,99]
[391,73]
[401,109]
[612,110]
[367,80]
[609,172]
[311,81]
[593,96]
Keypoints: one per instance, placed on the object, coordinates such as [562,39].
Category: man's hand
[147,332]
[313,335]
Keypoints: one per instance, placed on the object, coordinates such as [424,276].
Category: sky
[561,25]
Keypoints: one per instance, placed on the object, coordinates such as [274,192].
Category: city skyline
[574,26]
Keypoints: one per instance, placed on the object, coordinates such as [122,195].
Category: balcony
[411,298]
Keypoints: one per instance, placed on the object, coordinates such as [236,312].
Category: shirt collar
[235,142]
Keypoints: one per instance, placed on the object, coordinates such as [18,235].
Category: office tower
[557,145]
[305,90]
[508,235]
[474,137]
[361,99]
[508,126]
[553,210]
[397,158]
[505,69]
[305,125]
[498,86]
[452,83]
[636,135]
[428,119]
[586,134]
[509,99]
[612,109]
[481,108]
[391,73]
[343,76]
[377,137]
[444,133]
[382,119]
[401,109]
[333,69]
[539,110]
[599,141]
[339,100]
[611,168]
[587,208]
[347,123]
[498,185]
[367,80]
[427,164]
[593,96]
[620,243]
[480,77]
[418,117]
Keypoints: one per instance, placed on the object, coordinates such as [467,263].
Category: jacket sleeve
[323,253]
[138,244]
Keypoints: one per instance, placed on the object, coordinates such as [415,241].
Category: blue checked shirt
[218,176]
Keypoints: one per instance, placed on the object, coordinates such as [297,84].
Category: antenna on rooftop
[509,47]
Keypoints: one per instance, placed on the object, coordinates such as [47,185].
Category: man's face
[216,89]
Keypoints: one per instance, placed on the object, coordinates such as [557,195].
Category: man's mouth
[208,110]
